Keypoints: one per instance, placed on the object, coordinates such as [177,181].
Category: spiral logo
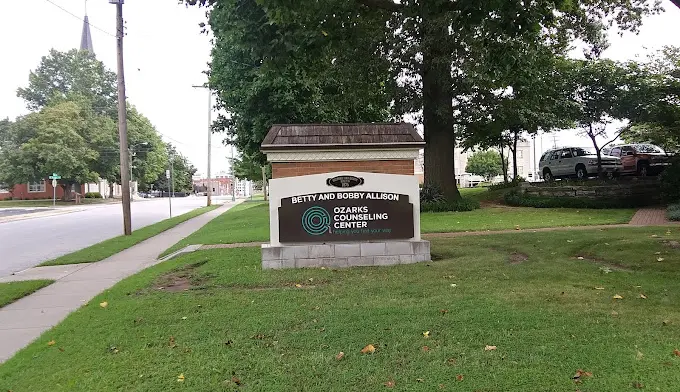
[316,220]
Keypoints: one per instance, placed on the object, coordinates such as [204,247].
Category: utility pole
[209,193]
[168,175]
[233,176]
[122,120]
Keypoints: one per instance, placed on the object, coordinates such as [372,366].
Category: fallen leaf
[614,313]
[443,311]
[180,378]
[184,318]
[229,342]
[325,34]
[426,349]
[51,343]
[659,259]
[370,349]
[61,349]
[617,297]
[643,296]
[426,334]
[453,285]
[236,380]
[311,279]
[580,257]
[420,380]
[517,228]
[451,361]
[666,322]
[442,386]
[654,235]
[570,240]
[298,285]
[639,355]
[171,343]
[638,385]
[599,288]
[676,352]
[489,348]
[459,377]
[390,384]
[340,356]
[104,304]
[657,253]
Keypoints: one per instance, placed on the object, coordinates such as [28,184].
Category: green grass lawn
[114,245]
[503,218]
[249,221]
[12,291]
[48,203]
[245,222]
[545,301]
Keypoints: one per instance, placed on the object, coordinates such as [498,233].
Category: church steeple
[86,37]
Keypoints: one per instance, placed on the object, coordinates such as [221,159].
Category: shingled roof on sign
[358,136]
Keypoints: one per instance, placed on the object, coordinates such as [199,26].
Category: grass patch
[236,327]
[245,222]
[114,245]
[506,218]
[12,291]
[249,222]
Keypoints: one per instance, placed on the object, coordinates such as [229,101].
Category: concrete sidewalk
[26,319]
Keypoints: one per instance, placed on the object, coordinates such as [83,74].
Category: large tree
[63,75]
[430,45]
[62,138]
[182,172]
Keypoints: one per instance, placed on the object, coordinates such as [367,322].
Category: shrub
[673,212]
[670,181]
[93,195]
[503,185]
[431,194]
[461,205]
[518,198]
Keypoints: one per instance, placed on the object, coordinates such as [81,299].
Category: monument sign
[322,215]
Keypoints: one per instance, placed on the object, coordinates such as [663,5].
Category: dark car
[641,159]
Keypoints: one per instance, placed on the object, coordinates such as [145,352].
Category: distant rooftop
[352,136]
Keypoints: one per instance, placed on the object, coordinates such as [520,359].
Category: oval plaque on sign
[345,181]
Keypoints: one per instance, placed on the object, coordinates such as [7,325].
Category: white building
[525,165]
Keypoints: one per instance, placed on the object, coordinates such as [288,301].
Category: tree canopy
[487,164]
[64,75]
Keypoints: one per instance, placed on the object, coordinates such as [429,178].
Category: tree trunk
[438,105]
[591,134]
[503,163]
[110,190]
[515,138]
[66,189]
[264,182]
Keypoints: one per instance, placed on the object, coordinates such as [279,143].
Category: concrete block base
[341,255]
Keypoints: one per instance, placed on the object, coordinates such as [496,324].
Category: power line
[79,18]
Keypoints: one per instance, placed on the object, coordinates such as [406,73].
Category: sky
[165,55]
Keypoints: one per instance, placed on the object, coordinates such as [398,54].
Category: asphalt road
[27,243]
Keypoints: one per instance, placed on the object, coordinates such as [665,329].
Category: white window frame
[4,189]
[520,170]
[41,187]
[520,154]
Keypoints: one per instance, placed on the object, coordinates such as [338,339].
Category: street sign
[54,177]
[167,174]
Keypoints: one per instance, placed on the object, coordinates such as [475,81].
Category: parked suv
[576,162]
[640,159]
